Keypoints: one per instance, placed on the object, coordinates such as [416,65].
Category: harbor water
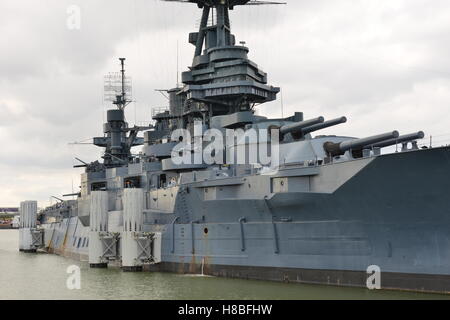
[45,276]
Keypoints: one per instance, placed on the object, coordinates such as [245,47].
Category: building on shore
[9,217]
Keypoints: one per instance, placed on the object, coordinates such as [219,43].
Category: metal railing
[158,110]
[435,141]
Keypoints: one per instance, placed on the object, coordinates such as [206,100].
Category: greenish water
[44,276]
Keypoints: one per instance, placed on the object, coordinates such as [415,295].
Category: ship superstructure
[328,210]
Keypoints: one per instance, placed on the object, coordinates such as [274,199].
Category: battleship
[328,209]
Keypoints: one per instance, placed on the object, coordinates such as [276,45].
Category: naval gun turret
[295,128]
[337,149]
[324,125]
[302,128]
[401,139]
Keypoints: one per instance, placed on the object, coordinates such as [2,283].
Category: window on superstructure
[98,186]
[162,180]
[132,182]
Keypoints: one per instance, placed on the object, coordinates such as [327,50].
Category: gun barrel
[298,126]
[326,124]
[336,149]
[400,139]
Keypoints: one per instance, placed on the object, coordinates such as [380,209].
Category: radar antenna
[118,88]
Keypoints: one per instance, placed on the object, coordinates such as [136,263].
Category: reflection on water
[43,276]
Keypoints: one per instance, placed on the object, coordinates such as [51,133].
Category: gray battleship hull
[326,225]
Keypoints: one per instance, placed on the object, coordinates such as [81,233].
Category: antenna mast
[117,87]
[122,63]
[178,65]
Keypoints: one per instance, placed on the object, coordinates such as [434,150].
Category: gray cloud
[384,64]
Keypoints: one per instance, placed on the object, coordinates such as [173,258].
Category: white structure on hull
[98,229]
[133,219]
[30,238]
[137,246]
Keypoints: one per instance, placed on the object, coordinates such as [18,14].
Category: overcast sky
[385,64]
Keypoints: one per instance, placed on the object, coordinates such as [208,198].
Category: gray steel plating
[332,207]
